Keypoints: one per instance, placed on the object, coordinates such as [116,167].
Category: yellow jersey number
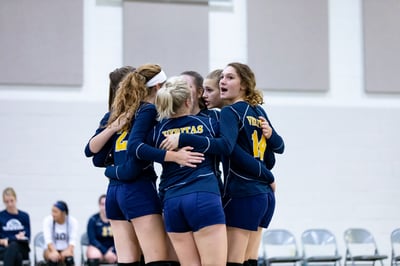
[106,231]
[259,146]
[121,143]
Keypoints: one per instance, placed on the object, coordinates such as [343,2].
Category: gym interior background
[329,71]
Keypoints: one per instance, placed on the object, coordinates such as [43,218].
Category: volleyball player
[243,122]
[136,199]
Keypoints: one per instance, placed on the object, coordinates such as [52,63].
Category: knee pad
[51,263]
[69,261]
[159,263]
[136,263]
[93,262]
[174,263]
[251,262]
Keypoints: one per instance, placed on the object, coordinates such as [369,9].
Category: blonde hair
[132,90]
[9,191]
[215,75]
[253,96]
[171,97]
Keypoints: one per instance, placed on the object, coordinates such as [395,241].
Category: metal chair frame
[38,243]
[395,240]
[85,243]
[280,238]
[312,239]
[358,237]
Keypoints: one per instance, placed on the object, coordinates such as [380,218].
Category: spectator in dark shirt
[101,241]
[15,231]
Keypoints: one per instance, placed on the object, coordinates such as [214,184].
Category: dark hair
[131,92]
[62,205]
[101,197]
[115,78]
[198,82]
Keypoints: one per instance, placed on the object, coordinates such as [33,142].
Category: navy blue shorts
[193,211]
[132,200]
[249,213]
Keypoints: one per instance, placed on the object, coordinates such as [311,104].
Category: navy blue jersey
[239,124]
[255,168]
[105,156]
[213,113]
[115,151]
[12,224]
[275,144]
[177,180]
[144,120]
[128,166]
[100,234]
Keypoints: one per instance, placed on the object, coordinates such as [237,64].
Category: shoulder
[197,118]
[144,106]
[208,122]
[94,217]
[148,109]
[105,119]
[23,213]
[236,108]
[240,105]
[263,111]
[213,113]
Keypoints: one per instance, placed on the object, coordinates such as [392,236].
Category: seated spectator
[15,231]
[60,232]
[101,241]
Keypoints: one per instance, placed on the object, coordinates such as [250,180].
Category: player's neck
[12,210]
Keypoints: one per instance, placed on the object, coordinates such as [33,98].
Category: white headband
[159,78]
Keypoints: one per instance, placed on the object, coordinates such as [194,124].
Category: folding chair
[38,248]
[279,246]
[361,247]
[84,244]
[319,246]
[395,243]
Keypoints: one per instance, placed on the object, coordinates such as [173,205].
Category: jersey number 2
[121,143]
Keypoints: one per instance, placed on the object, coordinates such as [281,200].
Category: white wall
[340,168]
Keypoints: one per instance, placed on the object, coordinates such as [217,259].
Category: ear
[200,92]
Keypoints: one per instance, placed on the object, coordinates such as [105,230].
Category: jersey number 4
[259,146]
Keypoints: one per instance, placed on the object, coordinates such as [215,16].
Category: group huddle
[193,213]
